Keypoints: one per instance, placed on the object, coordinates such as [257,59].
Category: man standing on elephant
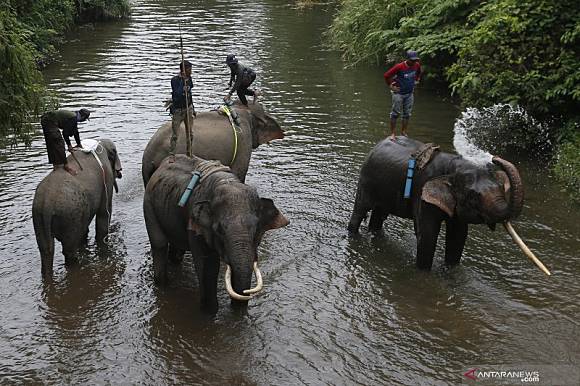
[401,79]
[181,103]
[66,120]
[241,77]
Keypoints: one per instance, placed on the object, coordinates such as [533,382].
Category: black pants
[54,141]
[243,90]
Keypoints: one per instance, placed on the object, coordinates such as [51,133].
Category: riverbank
[502,51]
[30,33]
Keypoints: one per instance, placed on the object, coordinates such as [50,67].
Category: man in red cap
[401,79]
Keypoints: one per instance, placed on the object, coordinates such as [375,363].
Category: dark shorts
[54,141]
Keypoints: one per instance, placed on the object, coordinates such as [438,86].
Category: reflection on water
[335,310]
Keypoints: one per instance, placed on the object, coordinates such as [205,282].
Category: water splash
[463,143]
[500,129]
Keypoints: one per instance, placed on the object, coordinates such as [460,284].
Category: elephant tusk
[259,282]
[520,243]
[231,292]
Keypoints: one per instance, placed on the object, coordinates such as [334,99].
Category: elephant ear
[268,129]
[438,192]
[270,216]
[200,222]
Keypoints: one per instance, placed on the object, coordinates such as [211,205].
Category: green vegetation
[30,31]
[521,52]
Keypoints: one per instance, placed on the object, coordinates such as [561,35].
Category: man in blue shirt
[401,79]
[181,102]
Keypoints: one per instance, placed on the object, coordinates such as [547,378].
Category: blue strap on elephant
[185,196]
[409,181]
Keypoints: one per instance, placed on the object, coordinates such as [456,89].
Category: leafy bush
[102,9]
[20,81]
[521,52]
[567,166]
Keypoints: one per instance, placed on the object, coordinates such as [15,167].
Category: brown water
[335,311]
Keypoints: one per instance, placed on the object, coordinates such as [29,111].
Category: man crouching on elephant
[223,220]
[66,120]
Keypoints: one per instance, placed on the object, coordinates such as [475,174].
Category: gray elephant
[64,205]
[214,138]
[224,219]
[445,187]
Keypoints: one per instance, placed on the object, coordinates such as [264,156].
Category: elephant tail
[44,238]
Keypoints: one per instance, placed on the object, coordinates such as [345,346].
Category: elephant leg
[175,255]
[159,244]
[69,249]
[428,227]
[102,223]
[207,266]
[359,213]
[47,258]
[159,264]
[378,215]
[456,234]
[85,238]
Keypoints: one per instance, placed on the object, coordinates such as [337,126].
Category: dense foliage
[521,52]
[30,31]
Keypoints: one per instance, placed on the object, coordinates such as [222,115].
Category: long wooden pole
[186,120]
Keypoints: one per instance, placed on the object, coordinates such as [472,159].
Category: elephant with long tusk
[223,220]
[440,187]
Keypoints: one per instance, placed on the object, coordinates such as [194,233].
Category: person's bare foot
[70,170]
[404,133]
[392,137]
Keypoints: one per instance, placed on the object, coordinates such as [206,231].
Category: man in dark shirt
[241,77]
[66,120]
[401,79]
[181,102]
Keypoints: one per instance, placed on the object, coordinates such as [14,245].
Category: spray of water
[499,129]
[463,143]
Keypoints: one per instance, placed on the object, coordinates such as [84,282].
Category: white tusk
[231,292]
[259,282]
[520,243]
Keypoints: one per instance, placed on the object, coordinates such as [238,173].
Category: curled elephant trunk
[249,293]
[524,247]
[516,201]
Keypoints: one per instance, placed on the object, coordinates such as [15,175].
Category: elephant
[64,205]
[224,219]
[448,188]
[213,138]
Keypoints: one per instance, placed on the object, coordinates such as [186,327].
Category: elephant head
[114,160]
[233,223]
[265,128]
[477,195]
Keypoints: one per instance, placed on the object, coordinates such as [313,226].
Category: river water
[335,310]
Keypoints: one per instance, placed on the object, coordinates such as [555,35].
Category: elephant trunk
[516,201]
[238,279]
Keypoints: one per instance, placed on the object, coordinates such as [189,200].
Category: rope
[207,168]
[226,110]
